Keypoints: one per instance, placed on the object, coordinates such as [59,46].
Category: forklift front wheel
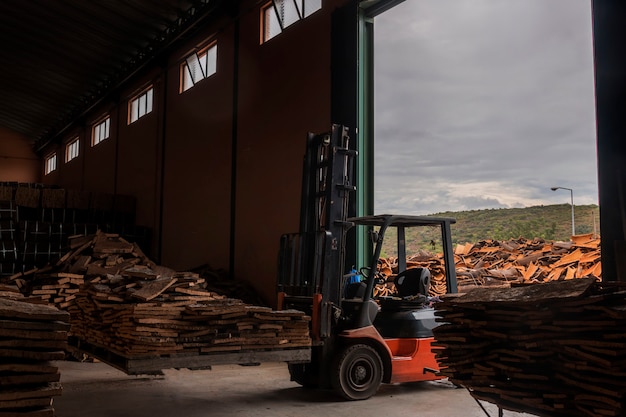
[357,372]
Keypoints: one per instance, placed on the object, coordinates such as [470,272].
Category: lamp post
[572,197]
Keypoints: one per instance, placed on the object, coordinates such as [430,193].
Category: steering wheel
[365,272]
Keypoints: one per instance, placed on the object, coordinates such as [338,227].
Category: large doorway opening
[483,104]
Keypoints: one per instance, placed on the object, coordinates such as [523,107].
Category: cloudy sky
[484,104]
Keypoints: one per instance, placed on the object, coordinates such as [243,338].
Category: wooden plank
[153,289]
[28,379]
[25,403]
[555,290]
[34,344]
[47,390]
[17,309]
[36,355]
[112,247]
[84,244]
[29,367]
[195,292]
[29,412]
[141,271]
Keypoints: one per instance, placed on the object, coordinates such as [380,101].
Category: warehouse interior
[196,164]
[215,170]
[191,116]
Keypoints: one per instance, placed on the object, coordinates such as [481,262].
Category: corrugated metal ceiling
[58,57]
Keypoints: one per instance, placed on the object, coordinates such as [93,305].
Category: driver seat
[412,282]
[412,287]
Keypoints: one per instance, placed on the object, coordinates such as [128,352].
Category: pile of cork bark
[505,263]
[556,349]
[30,337]
[120,300]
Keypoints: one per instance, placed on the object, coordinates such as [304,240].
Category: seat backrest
[413,281]
[355,290]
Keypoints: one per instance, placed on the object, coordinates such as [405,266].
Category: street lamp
[572,196]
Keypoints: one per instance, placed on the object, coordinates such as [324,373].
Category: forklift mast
[311,262]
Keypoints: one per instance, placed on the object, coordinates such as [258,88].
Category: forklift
[358,341]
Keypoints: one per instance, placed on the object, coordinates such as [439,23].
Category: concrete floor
[98,390]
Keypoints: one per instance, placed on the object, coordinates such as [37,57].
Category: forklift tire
[301,373]
[357,372]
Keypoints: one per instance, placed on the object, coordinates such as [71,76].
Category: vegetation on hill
[552,222]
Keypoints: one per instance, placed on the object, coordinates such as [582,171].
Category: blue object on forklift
[353,286]
[354,276]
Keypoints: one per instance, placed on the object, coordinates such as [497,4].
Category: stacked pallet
[556,349]
[120,300]
[504,263]
[30,336]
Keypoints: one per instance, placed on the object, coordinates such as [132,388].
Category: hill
[552,222]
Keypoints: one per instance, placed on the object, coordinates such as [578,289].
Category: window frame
[97,136]
[203,54]
[299,7]
[50,163]
[72,149]
[265,35]
[143,109]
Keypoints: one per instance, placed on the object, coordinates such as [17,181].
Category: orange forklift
[359,341]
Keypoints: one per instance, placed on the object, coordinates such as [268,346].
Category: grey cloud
[484,93]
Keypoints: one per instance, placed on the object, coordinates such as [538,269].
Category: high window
[278,14]
[198,66]
[140,105]
[71,150]
[51,163]
[100,131]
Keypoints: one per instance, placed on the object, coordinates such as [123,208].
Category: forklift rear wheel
[357,372]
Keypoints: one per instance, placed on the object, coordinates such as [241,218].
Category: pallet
[154,365]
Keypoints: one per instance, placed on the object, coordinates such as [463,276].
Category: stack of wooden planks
[557,349]
[120,300]
[47,287]
[136,330]
[30,337]
[505,263]
[11,292]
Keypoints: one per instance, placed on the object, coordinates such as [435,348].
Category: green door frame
[352,104]
[365,135]
[367,11]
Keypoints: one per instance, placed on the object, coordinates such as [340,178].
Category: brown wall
[197,165]
[138,154]
[18,161]
[53,177]
[95,168]
[284,93]
[72,174]
[100,167]
[250,119]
